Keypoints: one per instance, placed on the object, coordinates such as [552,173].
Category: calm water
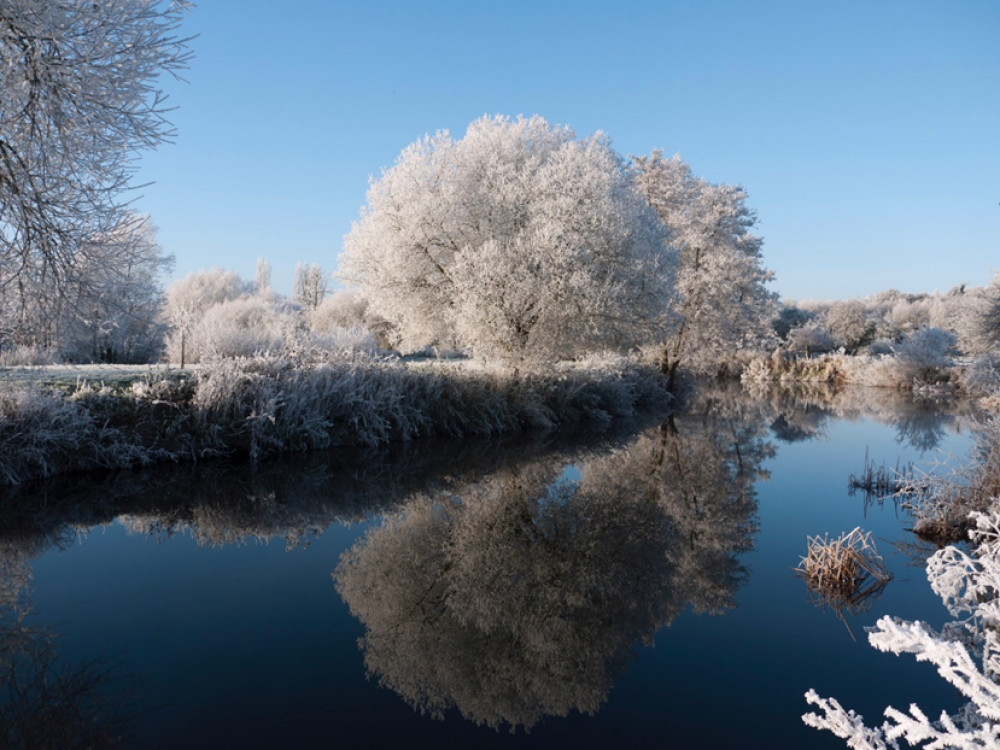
[569,590]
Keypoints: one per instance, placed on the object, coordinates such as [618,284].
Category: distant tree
[188,300]
[110,309]
[518,240]
[989,317]
[78,101]
[722,298]
[849,324]
[116,307]
[788,318]
[262,278]
[310,286]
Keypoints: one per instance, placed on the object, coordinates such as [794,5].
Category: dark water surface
[580,590]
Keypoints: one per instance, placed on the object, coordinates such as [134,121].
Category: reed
[845,574]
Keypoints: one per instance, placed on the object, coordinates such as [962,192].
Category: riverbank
[263,406]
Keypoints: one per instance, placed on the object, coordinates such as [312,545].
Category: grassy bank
[263,406]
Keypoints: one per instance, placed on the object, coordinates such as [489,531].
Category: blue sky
[867,134]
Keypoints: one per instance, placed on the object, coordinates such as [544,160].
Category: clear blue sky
[867,134]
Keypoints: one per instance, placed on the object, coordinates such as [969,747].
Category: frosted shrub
[966,653]
[36,430]
[188,300]
[27,355]
[240,328]
[982,376]
[339,310]
[924,354]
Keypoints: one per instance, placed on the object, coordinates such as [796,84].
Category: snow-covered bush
[188,300]
[982,376]
[924,355]
[241,328]
[966,653]
[339,310]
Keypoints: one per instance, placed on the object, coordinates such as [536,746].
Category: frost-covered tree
[722,298]
[517,240]
[108,312]
[924,353]
[188,300]
[116,311]
[262,278]
[79,100]
[849,324]
[989,315]
[310,286]
[241,328]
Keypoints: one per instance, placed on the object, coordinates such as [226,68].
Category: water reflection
[46,701]
[524,594]
[802,411]
[500,584]
[293,498]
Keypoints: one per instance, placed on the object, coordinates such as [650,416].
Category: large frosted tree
[518,240]
[722,298]
[79,99]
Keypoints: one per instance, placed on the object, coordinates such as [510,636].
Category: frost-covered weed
[38,429]
[27,355]
[920,361]
[264,405]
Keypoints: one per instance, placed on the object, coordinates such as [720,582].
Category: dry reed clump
[846,573]
[786,368]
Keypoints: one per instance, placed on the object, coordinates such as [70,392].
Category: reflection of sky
[250,645]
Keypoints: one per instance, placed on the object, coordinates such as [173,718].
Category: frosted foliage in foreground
[966,653]
[517,240]
[722,299]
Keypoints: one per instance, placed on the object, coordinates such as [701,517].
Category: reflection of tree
[293,498]
[524,595]
[45,702]
[803,409]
